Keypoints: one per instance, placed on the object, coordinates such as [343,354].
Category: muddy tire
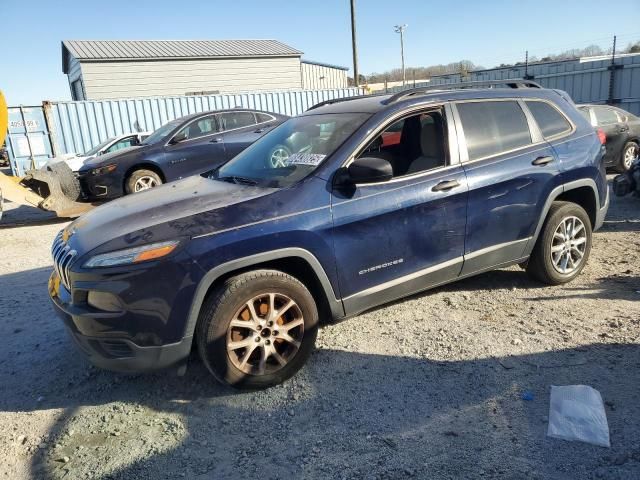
[257,329]
[562,249]
[69,183]
[142,179]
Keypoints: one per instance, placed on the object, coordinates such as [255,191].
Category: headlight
[103,170]
[128,256]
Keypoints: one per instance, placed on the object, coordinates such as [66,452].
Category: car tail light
[601,136]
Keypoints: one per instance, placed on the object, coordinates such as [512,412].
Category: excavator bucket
[42,189]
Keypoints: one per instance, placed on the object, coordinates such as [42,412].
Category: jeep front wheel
[563,246]
[257,329]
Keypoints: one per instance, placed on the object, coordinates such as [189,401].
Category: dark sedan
[183,147]
[622,130]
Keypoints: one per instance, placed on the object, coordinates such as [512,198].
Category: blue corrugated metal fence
[78,126]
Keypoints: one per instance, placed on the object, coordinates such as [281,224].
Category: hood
[112,157]
[74,162]
[158,214]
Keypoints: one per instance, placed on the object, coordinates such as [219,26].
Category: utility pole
[526,67]
[400,29]
[612,74]
[356,78]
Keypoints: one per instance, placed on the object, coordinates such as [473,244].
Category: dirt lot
[430,387]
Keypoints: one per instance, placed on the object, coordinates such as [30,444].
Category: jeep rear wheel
[563,246]
[257,329]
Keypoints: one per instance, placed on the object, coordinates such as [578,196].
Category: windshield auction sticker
[4,118]
[312,159]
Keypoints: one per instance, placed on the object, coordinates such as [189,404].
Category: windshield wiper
[238,180]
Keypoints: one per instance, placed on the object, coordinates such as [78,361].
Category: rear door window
[548,118]
[233,120]
[493,127]
[605,116]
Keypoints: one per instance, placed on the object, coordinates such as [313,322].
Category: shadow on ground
[352,413]
[16,215]
[345,415]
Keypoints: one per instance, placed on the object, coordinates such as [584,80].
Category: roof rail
[511,83]
[343,99]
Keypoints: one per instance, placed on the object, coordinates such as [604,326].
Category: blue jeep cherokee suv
[244,261]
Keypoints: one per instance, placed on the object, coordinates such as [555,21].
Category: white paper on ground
[576,413]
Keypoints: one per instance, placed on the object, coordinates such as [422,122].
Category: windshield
[291,151]
[161,132]
[96,149]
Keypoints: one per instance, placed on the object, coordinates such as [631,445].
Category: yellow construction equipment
[41,189]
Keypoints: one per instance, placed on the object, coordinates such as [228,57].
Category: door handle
[445,186]
[542,160]
[262,129]
[623,129]
[215,140]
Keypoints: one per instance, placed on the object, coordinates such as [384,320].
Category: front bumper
[112,351]
[101,187]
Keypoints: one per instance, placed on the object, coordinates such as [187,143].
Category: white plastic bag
[576,412]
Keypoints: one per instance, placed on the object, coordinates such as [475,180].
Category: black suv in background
[185,146]
[622,130]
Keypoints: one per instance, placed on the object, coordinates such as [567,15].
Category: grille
[62,259]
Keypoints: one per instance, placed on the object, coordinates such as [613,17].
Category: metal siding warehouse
[320,76]
[99,70]
[586,80]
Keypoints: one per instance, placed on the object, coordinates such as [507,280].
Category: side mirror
[178,137]
[370,170]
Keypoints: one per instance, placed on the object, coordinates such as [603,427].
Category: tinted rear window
[548,118]
[605,116]
[493,127]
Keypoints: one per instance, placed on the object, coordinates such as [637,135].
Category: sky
[486,32]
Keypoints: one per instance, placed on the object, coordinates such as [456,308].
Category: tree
[632,48]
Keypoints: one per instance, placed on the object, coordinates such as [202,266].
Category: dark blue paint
[402,222]
[504,196]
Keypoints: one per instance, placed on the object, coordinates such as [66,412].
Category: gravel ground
[429,387]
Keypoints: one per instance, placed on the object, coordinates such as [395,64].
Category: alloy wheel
[265,334]
[568,245]
[145,183]
[629,156]
[279,157]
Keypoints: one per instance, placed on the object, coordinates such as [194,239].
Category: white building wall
[320,77]
[115,79]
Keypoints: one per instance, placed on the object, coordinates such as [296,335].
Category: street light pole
[356,78]
[400,29]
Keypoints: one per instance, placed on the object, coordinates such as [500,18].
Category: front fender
[223,269]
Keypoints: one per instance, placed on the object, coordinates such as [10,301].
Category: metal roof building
[105,69]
